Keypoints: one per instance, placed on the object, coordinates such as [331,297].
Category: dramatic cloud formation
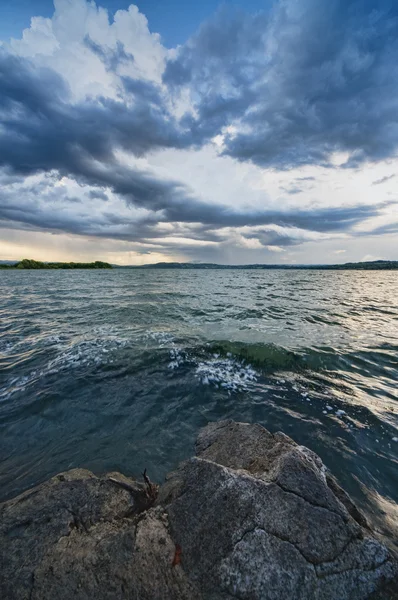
[245,143]
[314,78]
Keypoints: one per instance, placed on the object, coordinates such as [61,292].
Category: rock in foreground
[252,516]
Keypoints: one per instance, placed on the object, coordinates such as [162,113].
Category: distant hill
[28,263]
[377,265]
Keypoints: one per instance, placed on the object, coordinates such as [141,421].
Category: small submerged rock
[252,516]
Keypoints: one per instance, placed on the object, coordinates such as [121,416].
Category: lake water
[118,370]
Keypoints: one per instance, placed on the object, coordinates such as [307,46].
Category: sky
[242,132]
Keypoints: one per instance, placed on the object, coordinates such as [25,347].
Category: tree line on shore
[28,263]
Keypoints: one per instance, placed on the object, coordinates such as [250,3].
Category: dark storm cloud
[220,65]
[145,90]
[42,131]
[272,237]
[310,79]
[98,194]
[227,48]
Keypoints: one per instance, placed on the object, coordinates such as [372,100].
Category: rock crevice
[253,516]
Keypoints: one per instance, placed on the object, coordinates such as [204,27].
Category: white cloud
[60,44]
[275,249]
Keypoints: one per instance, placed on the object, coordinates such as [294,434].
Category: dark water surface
[119,370]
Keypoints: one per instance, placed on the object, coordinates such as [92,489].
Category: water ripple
[118,370]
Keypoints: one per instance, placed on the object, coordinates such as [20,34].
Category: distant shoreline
[28,263]
[377,265]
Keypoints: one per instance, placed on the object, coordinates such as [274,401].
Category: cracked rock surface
[252,516]
[81,537]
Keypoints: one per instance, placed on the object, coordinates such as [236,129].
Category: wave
[228,364]
[379,360]
[267,357]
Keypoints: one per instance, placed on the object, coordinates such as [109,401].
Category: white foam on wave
[178,357]
[85,353]
[163,338]
[82,354]
[89,352]
[24,344]
[227,373]
[222,372]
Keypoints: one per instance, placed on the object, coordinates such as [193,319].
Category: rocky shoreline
[252,516]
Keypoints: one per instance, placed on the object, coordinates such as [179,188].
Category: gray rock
[257,519]
[252,516]
[82,537]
